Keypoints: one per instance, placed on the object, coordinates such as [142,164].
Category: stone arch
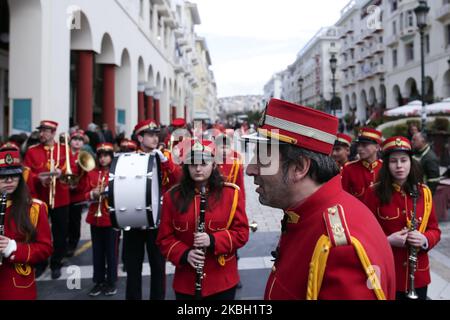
[446,89]
[411,90]
[81,34]
[107,55]
[141,70]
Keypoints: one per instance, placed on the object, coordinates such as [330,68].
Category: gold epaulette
[232,185]
[336,225]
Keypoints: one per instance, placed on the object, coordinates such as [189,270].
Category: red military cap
[146,126]
[343,139]
[105,147]
[77,133]
[178,123]
[48,124]
[397,143]
[10,145]
[10,162]
[369,135]
[197,151]
[286,122]
[128,144]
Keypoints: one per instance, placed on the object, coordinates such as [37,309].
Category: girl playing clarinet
[411,233]
[25,237]
[205,261]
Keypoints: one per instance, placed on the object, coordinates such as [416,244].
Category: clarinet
[412,256]
[2,218]
[200,229]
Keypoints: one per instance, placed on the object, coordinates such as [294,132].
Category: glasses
[8,177]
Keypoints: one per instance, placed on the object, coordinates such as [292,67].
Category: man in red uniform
[359,175]
[44,158]
[137,240]
[341,149]
[331,246]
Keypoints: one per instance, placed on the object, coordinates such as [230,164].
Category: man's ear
[140,138]
[300,169]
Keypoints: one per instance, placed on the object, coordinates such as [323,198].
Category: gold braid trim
[221,258]
[317,267]
[368,269]
[428,203]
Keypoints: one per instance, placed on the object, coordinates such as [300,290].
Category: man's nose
[251,170]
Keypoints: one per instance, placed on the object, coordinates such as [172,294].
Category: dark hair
[186,189]
[21,202]
[322,169]
[384,188]
[107,153]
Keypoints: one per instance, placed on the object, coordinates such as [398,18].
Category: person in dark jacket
[428,160]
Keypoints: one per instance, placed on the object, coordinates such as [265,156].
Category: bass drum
[134,191]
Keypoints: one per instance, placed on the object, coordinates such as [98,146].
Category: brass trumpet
[68,178]
[99,214]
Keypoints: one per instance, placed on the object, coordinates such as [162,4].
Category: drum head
[134,186]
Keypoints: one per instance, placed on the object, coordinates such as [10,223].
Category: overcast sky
[250,40]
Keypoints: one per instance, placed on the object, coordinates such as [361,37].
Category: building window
[410,18]
[394,58]
[447,35]
[394,27]
[141,8]
[409,51]
[332,45]
[394,5]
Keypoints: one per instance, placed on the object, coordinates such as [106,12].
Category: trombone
[84,160]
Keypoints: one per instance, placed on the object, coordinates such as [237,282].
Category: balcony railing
[443,13]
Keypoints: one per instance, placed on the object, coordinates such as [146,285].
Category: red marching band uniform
[358,176]
[330,241]
[38,158]
[225,219]
[396,215]
[17,279]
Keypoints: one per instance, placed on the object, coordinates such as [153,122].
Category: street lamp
[333,66]
[421,15]
[300,85]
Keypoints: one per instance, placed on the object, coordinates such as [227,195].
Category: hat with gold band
[397,143]
[10,163]
[149,125]
[105,147]
[369,135]
[128,144]
[198,151]
[286,122]
[77,133]
[343,139]
[48,124]
[10,145]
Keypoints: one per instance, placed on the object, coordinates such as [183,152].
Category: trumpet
[99,214]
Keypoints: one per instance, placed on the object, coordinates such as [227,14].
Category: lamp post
[333,66]
[421,15]
[300,85]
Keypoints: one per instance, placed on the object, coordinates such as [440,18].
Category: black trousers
[224,295]
[104,254]
[421,292]
[73,236]
[60,222]
[135,241]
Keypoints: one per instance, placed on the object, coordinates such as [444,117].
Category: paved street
[254,264]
